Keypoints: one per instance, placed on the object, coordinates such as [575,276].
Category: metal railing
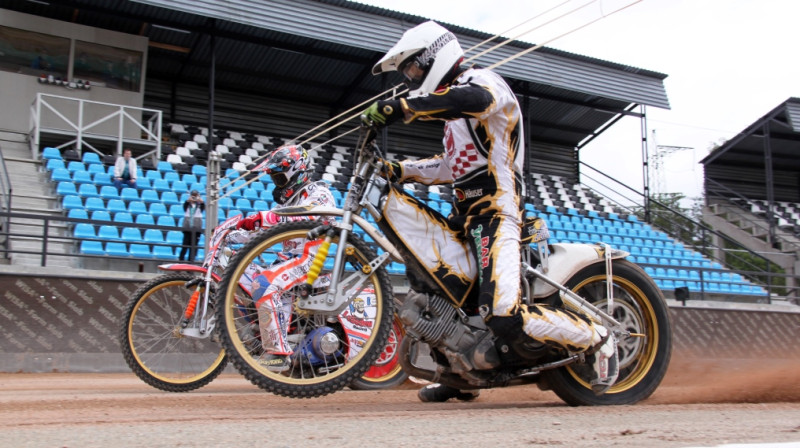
[5,201]
[90,122]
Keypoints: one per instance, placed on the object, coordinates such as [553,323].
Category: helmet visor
[279,179]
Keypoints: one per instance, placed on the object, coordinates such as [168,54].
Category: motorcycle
[446,339]
[168,326]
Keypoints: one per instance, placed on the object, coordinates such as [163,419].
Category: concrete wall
[18,91]
[67,321]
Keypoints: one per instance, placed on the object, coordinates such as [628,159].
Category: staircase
[32,193]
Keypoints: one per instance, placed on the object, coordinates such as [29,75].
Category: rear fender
[184,267]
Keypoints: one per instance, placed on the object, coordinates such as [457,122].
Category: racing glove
[391,170]
[383,113]
[258,220]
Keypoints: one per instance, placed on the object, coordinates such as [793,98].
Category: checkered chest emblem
[464,161]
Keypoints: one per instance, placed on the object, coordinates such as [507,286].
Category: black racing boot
[439,393]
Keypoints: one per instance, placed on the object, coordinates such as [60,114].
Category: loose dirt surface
[698,404]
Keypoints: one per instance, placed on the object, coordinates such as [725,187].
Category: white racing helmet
[432,47]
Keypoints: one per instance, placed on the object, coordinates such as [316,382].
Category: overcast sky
[728,62]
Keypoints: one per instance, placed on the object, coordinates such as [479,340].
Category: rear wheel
[152,342]
[643,357]
[329,349]
[386,372]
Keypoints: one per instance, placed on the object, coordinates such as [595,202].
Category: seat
[140,250]
[76,166]
[129,194]
[54,164]
[131,235]
[164,252]
[166,221]
[164,166]
[66,188]
[179,187]
[137,208]
[145,219]
[153,175]
[174,237]
[102,179]
[176,211]
[150,196]
[244,205]
[170,198]
[84,230]
[51,153]
[77,213]
[60,175]
[117,249]
[92,248]
[93,204]
[123,217]
[101,215]
[90,157]
[158,209]
[116,206]
[88,191]
[108,232]
[199,170]
[108,192]
[71,201]
[161,185]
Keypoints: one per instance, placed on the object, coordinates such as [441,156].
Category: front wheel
[287,349]
[643,357]
[152,342]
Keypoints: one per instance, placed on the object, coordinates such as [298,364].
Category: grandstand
[63,175]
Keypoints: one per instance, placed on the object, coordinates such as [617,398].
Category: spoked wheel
[153,344]
[643,357]
[295,346]
[386,372]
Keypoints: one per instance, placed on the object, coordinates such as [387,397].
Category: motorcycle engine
[466,342]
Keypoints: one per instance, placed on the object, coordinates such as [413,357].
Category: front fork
[203,323]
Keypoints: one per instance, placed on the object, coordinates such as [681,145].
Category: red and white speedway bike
[439,315]
[168,334]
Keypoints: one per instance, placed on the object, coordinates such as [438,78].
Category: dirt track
[697,405]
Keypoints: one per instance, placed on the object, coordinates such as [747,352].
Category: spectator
[125,171]
[193,209]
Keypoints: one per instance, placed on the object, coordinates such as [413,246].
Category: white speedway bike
[439,315]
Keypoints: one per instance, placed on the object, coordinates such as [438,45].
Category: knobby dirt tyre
[640,307]
[152,345]
[311,372]
[386,372]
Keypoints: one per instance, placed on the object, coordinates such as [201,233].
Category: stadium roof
[740,164]
[320,52]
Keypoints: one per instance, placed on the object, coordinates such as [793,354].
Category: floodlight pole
[645,166]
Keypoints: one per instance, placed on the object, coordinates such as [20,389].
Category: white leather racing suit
[483,159]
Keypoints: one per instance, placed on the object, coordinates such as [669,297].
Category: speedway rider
[483,159]
[289,168]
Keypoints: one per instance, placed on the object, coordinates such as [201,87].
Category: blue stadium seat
[145,219]
[179,187]
[164,166]
[131,235]
[165,220]
[93,204]
[77,213]
[71,201]
[88,191]
[60,175]
[176,211]
[225,203]
[116,206]
[172,176]
[66,188]
[49,153]
[161,185]
[143,183]
[95,168]
[244,205]
[189,178]
[53,164]
[90,157]
[140,250]
[158,209]
[198,170]
[92,248]
[84,230]
[150,196]
[164,252]
[170,198]
[123,217]
[117,249]
[175,237]
[102,179]
[260,205]
[199,187]
[108,232]
[137,207]
[153,175]
[101,215]
[108,192]
[76,166]
[129,194]
[153,236]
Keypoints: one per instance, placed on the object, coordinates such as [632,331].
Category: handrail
[6,191]
[704,231]
[85,120]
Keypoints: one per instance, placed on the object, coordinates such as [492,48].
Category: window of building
[108,66]
[31,53]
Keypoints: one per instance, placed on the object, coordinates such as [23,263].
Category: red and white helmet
[288,167]
[433,49]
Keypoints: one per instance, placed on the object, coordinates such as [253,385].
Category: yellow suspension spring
[319,261]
